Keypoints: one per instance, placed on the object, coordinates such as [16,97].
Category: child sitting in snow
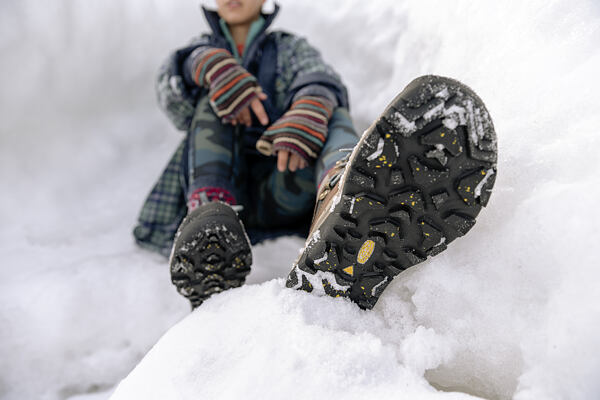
[267,121]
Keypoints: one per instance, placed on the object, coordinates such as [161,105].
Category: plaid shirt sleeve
[176,95]
[301,71]
[164,208]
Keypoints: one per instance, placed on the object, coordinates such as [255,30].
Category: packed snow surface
[512,310]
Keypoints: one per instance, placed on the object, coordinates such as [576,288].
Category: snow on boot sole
[416,180]
[211,253]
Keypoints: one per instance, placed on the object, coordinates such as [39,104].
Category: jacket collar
[212,17]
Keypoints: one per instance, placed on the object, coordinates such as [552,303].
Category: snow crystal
[378,151]
[435,112]
[441,242]
[315,237]
[404,126]
[352,202]
[450,123]
[376,287]
[480,185]
[443,94]
[337,198]
[317,281]
[438,154]
[320,260]
[454,116]
[475,122]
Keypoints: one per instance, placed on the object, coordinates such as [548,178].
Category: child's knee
[204,116]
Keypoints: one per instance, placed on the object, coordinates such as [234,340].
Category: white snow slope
[512,310]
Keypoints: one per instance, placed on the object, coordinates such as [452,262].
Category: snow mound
[265,341]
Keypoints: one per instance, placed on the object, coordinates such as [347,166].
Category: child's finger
[294,162]
[245,117]
[282,160]
[259,111]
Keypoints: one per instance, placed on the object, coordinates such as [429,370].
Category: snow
[376,287]
[405,126]
[316,281]
[320,260]
[335,344]
[477,191]
[378,151]
[435,112]
[510,311]
[455,115]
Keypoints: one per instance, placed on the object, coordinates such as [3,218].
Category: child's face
[237,12]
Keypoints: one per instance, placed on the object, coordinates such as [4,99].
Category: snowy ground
[510,311]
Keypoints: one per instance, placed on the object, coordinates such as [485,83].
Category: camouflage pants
[215,155]
[218,157]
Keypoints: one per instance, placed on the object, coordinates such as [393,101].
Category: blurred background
[82,141]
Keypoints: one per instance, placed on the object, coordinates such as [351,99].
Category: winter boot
[416,180]
[211,252]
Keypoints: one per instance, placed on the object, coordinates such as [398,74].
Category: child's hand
[244,117]
[287,159]
[296,139]
[231,88]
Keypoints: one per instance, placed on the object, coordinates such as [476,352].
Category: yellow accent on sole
[365,252]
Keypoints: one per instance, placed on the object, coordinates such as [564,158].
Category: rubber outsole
[415,182]
[211,253]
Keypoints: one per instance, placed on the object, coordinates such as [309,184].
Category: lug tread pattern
[418,179]
[215,258]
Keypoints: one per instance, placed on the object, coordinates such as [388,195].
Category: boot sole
[416,181]
[211,254]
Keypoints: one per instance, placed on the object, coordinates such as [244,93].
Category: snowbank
[510,311]
[276,343]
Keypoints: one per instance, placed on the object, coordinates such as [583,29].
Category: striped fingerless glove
[231,87]
[301,130]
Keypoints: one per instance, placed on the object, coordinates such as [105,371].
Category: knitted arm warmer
[301,130]
[231,87]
